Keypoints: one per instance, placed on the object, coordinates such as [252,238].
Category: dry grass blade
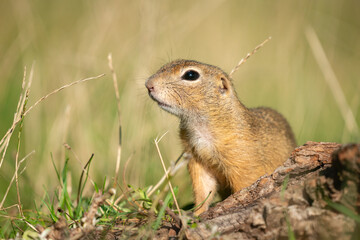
[157,140]
[84,170]
[171,171]
[19,114]
[243,60]
[332,81]
[23,109]
[17,157]
[127,189]
[11,129]
[18,118]
[31,226]
[119,116]
[12,180]
[158,184]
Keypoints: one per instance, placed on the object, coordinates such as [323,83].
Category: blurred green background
[70,40]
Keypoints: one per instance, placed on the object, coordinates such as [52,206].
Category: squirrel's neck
[208,131]
[228,115]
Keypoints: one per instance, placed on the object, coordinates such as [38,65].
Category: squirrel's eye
[190,75]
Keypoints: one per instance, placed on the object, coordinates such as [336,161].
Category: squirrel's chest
[201,142]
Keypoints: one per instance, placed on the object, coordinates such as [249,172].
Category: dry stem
[11,129]
[243,60]
[23,109]
[18,114]
[171,171]
[17,159]
[127,188]
[12,180]
[119,116]
[157,140]
[332,80]
[84,170]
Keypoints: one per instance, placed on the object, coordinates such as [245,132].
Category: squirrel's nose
[149,86]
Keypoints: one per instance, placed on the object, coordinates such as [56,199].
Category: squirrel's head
[185,87]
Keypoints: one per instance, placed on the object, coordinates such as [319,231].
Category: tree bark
[304,198]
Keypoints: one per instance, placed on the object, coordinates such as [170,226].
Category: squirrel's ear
[224,85]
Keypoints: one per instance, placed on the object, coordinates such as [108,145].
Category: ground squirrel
[229,146]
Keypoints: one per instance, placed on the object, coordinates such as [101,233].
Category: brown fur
[229,145]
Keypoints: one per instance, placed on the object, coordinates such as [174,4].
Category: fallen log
[314,195]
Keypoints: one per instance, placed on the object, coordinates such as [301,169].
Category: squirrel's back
[277,138]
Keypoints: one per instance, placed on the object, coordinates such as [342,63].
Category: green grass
[72,206]
[351,213]
[71,41]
